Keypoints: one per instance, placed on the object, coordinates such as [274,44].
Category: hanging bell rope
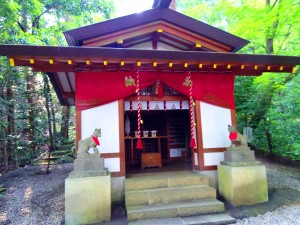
[139,141]
[192,142]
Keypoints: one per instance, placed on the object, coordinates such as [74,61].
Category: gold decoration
[187,82]
[129,81]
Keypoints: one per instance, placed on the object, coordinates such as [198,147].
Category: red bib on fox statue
[237,139]
[233,136]
[96,140]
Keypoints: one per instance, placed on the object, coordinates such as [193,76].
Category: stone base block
[91,173]
[239,154]
[243,185]
[87,200]
[89,164]
[249,163]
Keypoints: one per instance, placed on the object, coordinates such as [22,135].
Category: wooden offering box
[151,159]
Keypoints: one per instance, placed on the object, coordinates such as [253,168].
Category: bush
[2,189]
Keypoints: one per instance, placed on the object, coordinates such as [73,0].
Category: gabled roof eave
[76,36]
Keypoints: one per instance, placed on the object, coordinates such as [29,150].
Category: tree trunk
[10,118]
[52,116]
[64,131]
[269,141]
[46,95]
[5,155]
[271,31]
[269,46]
[31,113]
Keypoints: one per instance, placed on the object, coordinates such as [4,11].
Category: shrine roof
[61,63]
[113,56]
[176,27]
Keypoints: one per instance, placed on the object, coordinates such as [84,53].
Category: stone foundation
[88,193]
[242,179]
[246,185]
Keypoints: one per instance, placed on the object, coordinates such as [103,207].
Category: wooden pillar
[78,127]
[233,117]
[122,140]
[198,151]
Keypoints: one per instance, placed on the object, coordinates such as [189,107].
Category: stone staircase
[64,153]
[173,198]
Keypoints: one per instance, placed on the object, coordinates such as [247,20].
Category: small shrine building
[157,70]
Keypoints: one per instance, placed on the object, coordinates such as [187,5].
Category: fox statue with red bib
[237,139]
[90,142]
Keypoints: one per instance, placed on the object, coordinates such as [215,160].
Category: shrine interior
[170,140]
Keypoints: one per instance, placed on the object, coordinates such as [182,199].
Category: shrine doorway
[165,139]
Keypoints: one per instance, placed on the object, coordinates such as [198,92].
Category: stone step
[164,180]
[68,142]
[44,162]
[51,159]
[169,195]
[213,219]
[190,208]
[61,153]
[65,147]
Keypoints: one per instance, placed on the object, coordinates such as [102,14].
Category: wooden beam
[152,27]
[159,66]
[136,42]
[78,55]
[176,40]
[120,43]
[69,82]
[156,38]
[68,95]
[196,47]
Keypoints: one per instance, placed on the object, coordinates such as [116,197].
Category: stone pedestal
[242,179]
[88,193]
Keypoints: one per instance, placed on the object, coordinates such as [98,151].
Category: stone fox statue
[236,138]
[91,142]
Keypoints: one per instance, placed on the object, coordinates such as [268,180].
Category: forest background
[31,118]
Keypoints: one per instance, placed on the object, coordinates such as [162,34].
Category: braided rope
[139,103]
[192,144]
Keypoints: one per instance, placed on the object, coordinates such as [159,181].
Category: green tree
[35,22]
[272,27]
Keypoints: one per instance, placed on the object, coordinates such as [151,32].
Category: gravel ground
[32,197]
[286,215]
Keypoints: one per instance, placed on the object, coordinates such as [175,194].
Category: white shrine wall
[105,117]
[214,121]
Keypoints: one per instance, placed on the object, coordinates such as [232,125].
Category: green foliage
[2,189]
[268,103]
[35,22]
[41,22]
[283,115]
